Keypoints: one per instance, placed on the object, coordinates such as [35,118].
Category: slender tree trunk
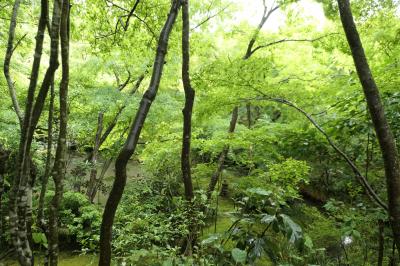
[189,101]
[40,217]
[7,60]
[249,124]
[91,192]
[118,114]
[107,132]
[133,137]
[20,190]
[113,123]
[103,137]
[234,116]
[384,134]
[3,161]
[222,156]
[381,237]
[187,127]
[61,152]
[248,112]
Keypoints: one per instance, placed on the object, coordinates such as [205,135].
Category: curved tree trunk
[133,137]
[382,128]
[187,128]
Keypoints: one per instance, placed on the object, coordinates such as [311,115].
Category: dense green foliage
[291,199]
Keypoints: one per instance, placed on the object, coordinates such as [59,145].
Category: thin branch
[112,4]
[289,40]
[360,177]
[146,24]
[210,17]
[130,14]
[267,13]
[7,60]
[18,43]
[123,85]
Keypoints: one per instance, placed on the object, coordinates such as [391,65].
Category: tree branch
[360,177]
[289,40]
[10,50]
[130,14]
[267,13]
[210,17]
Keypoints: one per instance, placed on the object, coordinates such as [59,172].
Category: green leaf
[210,240]
[267,219]
[293,230]
[308,242]
[239,255]
[40,238]
[259,191]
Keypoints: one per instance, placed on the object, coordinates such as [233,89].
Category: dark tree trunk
[113,123]
[60,161]
[248,112]
[91,191]
[117,115]
[100,139]
[189,101]
[133,137]
[4,154]
[384,134]
[381,237]
[222,156]
[20,196]
[45,178]
[187,128]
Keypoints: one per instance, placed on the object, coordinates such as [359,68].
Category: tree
[382,128]
[133,137]
[20,198]
[235,112]
[189,101]
[61,152]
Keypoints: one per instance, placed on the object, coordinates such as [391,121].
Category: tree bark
[189,101]
[381,238]
[224,153]
[382,128]
[45,178]
[4,155]
[91,192]
[20,191]
[113,123]
[7,60]
[133,137]
[187,127]
[60,161]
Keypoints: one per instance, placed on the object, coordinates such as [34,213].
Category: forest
[199,132]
